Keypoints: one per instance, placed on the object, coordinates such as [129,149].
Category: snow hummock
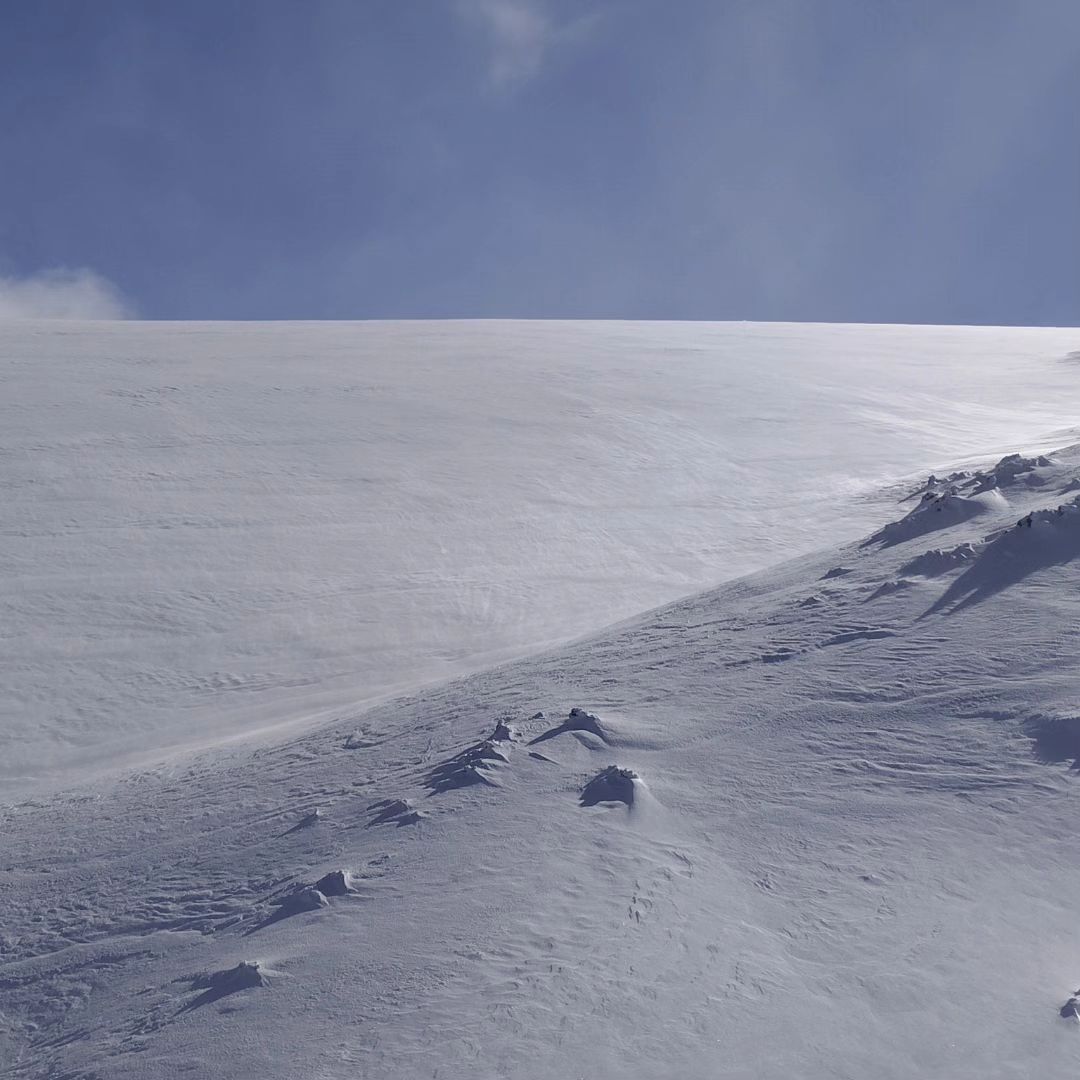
[610,785]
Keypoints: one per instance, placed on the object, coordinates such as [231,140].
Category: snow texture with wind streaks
[210,529]
[742,835]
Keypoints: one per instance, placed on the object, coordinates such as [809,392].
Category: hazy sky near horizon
[825,160]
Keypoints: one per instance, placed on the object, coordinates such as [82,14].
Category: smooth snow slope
[847,847]
[211,528]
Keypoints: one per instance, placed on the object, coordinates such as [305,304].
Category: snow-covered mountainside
[818,822]
[213,528]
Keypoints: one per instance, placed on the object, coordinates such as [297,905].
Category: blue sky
[827,160]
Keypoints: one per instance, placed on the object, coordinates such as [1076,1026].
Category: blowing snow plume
[62,294]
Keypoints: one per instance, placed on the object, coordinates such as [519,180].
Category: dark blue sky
[856,160]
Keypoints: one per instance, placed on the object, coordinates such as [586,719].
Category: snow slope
[839,840]
[207,529]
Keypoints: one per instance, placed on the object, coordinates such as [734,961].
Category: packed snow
[814,822]
[210,529]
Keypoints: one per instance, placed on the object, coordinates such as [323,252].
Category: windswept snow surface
[819,822]
[211,528]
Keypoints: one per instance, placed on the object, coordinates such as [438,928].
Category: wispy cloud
[521,35]
[62,294]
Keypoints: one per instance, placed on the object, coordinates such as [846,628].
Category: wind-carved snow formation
[817,821]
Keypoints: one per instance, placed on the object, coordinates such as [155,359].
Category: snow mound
[612,784]
[1043,539]
[935,562]
[887,588]
[299,901]
[472,766]
[933,482]
[394,812]
[307,899]
[215,985]
[1005,473]
[306,822]
[578,721]
[934,512]
[1008,470]
[1056,739]
[336,883]
[246,975]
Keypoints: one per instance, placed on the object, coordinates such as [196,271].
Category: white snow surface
[818,822]
[212,529]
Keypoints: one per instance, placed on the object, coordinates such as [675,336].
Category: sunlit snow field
[207,529]
[816,822]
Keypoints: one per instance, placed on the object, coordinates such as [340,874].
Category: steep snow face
[819,822]
[213,528]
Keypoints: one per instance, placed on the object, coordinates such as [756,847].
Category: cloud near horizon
[62,294]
